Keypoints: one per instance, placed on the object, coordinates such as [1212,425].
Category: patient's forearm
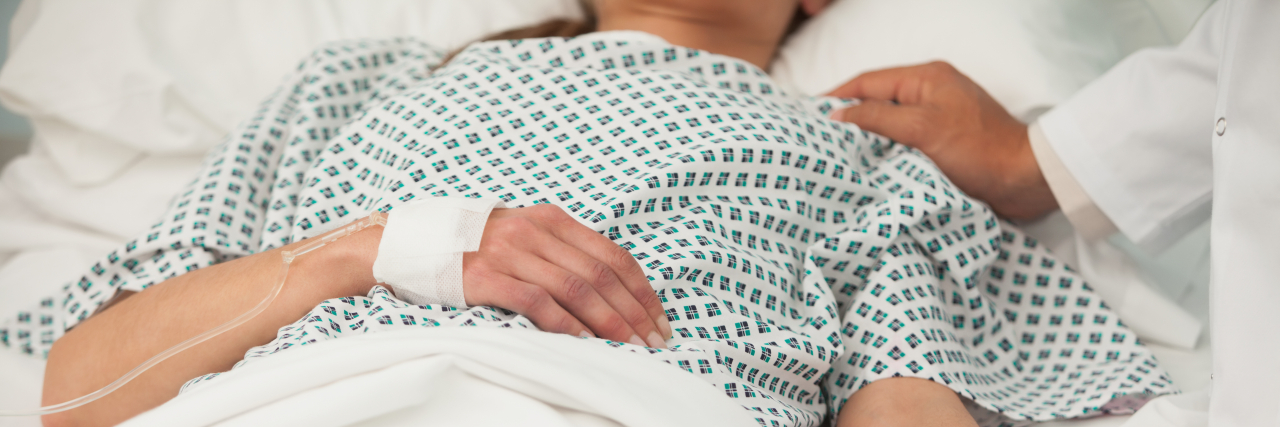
[109,344]
[905,402]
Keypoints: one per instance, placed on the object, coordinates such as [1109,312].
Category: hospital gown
[798,258]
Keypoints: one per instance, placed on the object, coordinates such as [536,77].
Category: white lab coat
[1171,135]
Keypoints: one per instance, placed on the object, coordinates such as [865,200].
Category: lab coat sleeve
[1088,220]
[1138,139]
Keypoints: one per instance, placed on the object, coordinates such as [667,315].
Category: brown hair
[558,27]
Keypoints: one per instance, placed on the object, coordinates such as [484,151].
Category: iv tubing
[376,218]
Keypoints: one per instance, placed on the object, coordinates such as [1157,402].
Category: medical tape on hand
[420,256]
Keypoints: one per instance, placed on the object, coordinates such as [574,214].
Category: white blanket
[453,376]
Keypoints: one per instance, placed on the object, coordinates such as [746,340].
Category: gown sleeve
[930,284]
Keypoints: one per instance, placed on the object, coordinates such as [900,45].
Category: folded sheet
[453,376]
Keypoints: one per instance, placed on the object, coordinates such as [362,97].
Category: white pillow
[106,82]
[1029,54]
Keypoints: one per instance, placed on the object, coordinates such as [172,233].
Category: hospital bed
[126,96]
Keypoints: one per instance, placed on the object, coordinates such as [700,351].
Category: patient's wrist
[344,267]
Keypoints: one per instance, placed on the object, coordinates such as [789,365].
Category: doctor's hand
[941,112]
[540,262]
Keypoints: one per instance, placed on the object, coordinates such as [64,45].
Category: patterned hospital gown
[798,258]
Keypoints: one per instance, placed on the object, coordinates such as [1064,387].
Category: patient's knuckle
[573,288]
[502,246]
[560,218]
[614,325]
[516,226]
[601,275]
[524,224]
[478,268]
[549,212]
[561,322]
[502,226]
[622,261]
[647,297]
[636,317]
[550,319]
[528,298]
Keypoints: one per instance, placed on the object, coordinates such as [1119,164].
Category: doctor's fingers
[620,262]
[576,295]
[606,283]
[907,124]
[916,84]
[814,7]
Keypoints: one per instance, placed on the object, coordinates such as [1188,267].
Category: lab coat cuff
[1080,209]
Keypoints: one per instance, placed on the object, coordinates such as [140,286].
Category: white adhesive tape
[420,256]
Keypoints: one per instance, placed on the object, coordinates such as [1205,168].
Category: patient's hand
[904,402]
[941,112]
[538,261]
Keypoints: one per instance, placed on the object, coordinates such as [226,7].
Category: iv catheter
[287,257]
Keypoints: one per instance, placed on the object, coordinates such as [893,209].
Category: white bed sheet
[477,377]
[55,218]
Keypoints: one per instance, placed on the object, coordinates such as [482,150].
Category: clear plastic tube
[287,257]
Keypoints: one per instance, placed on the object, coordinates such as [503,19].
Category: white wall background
[15,132]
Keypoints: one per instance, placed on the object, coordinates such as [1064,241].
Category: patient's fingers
[606,283]
[533,302]
[576,295]
[597,282]
[907,124]
[619,261]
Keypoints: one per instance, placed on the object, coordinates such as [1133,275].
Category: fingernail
[656,341]
[665,325]
[586,334]
[635,339]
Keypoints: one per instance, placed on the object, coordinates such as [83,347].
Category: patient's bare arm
[107,345]
[531,260]
[905,402]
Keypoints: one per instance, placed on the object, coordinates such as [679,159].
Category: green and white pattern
[798,258]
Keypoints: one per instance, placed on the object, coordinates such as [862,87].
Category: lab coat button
[1221,126]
